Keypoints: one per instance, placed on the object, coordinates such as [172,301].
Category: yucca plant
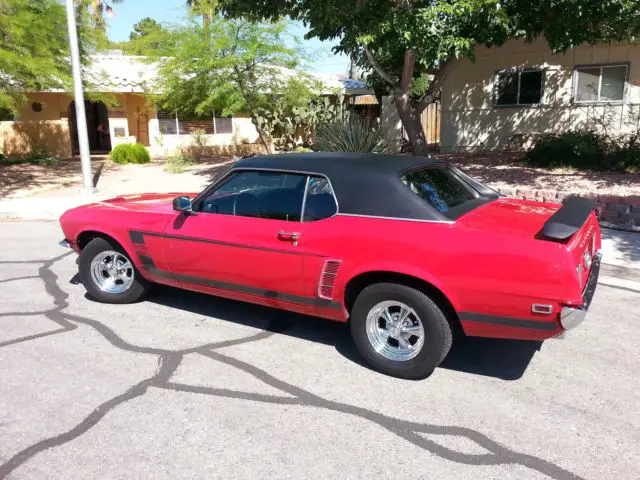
[354,134]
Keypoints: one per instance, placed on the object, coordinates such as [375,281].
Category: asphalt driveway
[189,386]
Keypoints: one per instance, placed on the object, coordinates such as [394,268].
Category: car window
[320,201]
[441,188]
[272,195]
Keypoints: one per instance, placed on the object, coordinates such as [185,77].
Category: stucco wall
[243,132]
[132,115]
[47,128]
[471,122]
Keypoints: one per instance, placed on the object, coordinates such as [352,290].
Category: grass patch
[33,159]
[178,163]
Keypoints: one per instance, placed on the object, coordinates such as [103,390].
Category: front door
[244,240]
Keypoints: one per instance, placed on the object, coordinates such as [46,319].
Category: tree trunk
[264,138]
[411,121]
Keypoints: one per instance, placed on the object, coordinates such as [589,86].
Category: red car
[406,249]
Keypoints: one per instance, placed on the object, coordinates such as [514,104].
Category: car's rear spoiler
[567,221]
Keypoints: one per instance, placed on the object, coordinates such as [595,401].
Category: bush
[177,163]
[354,134]
[586,150]
[130,153]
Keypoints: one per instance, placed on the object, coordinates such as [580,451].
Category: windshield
[444,190]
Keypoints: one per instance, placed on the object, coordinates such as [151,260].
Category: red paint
[487,262]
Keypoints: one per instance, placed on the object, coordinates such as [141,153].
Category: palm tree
[100,8]
[204,8]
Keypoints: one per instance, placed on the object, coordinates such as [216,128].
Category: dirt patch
[507,170]
[23,180]
[65,178]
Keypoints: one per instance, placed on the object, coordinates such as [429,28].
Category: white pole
[81,118]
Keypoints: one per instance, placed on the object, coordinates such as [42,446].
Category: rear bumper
[571,317]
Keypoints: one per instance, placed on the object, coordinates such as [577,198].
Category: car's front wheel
[399,330]
[108,274]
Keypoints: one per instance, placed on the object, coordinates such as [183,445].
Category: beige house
[512,94]
[47,120]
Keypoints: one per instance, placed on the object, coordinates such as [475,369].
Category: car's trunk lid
[573,226]
[510,216]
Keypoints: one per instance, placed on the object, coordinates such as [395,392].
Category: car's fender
[397,268]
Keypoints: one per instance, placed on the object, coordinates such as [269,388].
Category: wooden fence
[430,120]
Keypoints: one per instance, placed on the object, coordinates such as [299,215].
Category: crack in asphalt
[26,277]
[169,361]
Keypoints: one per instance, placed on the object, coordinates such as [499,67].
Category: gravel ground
[189,386]
[506,170]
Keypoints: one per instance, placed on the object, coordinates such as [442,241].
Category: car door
[244,240]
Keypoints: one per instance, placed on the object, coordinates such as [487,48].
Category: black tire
[438,334]
[136,290]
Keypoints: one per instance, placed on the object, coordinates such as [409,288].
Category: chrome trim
[540,308]
[383,324]
[571,317]
[233,170]
[289,236]
[595,261]
[65,244]
[450,222]
[323,273]
[304,198]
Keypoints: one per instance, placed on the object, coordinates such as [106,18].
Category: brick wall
[611,208]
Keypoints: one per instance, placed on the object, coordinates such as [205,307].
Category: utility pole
[81,117]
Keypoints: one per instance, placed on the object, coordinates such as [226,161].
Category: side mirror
[182,204]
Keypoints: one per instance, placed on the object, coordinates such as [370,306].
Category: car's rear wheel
[399,330]
[108,274]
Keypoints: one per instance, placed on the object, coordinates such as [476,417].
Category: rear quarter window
[442,189]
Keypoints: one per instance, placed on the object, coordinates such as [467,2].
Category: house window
[519,87]
[599,83]
[185,124]
[223,124]
[168,122]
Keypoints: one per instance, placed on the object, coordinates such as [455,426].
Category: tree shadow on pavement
[502,359]
[626,243]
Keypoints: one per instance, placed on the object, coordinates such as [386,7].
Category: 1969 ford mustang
[408,250]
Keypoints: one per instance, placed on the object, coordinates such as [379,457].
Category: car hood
[144,202]
[510,216]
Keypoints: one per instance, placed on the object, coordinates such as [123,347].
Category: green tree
[34,53]
[399,41]
[145,27]
[147,37]
[241,67]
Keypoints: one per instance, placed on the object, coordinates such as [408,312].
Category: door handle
[288,236]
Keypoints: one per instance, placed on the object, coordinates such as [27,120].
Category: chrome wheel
[112,272]
[395,331]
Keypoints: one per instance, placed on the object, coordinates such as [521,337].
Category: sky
[129,12]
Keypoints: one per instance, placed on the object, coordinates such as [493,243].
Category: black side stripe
[233,287]
[507,321]
[146,261]
[138,238]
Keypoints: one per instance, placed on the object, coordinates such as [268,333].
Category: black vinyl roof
[364,183]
